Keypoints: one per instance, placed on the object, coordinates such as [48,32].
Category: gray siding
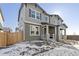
[32,6]
[24,19]
[27,33]
[21,18]
[53,20]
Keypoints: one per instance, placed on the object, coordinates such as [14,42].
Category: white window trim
[43,18]
[32,23]
[32,13]
[35,14]
[46,17]
[35,31]
[30,31]
[38,30]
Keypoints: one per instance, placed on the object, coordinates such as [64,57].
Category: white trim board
[32,23]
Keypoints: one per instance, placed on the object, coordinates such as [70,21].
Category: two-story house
[36,23]
[1,19]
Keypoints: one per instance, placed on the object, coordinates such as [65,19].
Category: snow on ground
[61,51]
[23,48]
[38,48]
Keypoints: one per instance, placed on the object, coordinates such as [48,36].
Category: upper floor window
[45,18]
[34,14]
[38,15]
[31,13]
[36,5]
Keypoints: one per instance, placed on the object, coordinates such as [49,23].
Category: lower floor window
[34,30]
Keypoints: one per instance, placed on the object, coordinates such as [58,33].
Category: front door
[44,32]
[51,32]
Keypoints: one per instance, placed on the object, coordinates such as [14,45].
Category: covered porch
[63,31]
[48,32]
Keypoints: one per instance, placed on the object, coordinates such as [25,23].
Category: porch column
[42,33]
[65,34]
[64,31]
[55,33]
[47,32]
[24,31]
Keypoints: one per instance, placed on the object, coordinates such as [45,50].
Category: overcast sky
[68,12]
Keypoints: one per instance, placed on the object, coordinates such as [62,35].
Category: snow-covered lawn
[24,48]
[36,48]
[66,50]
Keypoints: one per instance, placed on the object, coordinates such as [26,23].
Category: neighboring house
[35,23]
[1,19]
[17,29]
[7,29]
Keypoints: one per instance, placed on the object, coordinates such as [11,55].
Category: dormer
[55,19]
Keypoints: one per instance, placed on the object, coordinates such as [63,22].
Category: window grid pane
[33,14]
[34,30]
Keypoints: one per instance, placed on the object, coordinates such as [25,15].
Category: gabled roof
[1,14]
[35,4]
[41,9]
[20,11]
[65,25]
[57,16]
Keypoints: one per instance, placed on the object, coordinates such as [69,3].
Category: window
[34,14]
[36,5]
[37,15]
[37,31]
[31,13]
[45,18]
[34,30]
[58,18]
